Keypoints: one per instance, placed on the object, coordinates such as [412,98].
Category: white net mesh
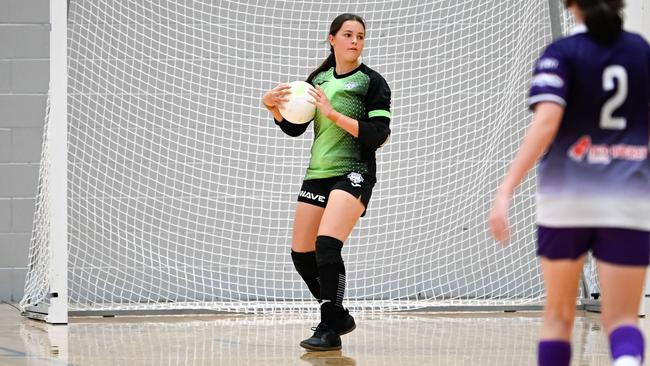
[182,190]
[37,281]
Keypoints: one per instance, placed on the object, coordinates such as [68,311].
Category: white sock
[628,361]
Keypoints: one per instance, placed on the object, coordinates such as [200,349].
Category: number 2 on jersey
[607,121]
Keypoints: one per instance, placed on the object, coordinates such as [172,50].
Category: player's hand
[276,96]
[498,219]
[321,101]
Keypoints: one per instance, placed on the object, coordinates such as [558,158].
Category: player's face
[348,41]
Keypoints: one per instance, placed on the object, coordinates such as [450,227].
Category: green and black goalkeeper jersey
[361,94]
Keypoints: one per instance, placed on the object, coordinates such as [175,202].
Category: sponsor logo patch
[579,149]
[356,179]
[547,63]
[350,85]
[312,196]
[585,150]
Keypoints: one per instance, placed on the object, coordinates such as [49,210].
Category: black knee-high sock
[332,277]
[305,264]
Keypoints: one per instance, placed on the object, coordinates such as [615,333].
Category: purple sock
[554,353]
[626,340]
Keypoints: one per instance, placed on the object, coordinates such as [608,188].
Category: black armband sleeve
[291,129]
[375,130]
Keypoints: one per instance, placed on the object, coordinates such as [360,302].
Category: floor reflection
[390,339]
[329,358]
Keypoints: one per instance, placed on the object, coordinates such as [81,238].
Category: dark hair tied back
[602,18]
[336,25]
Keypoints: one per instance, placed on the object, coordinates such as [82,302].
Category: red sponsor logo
[579,149]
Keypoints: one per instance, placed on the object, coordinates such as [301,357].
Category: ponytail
[602,18]
[330,61]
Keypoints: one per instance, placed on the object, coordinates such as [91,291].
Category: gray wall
[24,74]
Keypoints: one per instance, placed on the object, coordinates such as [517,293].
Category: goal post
[165,187]
[49,246]
[58,170]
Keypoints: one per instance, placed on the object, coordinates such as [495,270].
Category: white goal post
[47,278]
[165,187]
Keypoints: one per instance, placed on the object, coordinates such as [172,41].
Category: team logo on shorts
[356,179]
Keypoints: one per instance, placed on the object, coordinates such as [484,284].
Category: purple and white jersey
[596,172]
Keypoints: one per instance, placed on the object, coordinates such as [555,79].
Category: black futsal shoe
[346,323]
[337,317]
[324,339]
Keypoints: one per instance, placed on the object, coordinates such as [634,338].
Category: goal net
[181,190]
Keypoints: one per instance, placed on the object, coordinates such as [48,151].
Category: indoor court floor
[396,339]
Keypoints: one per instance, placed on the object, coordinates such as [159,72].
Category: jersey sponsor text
[603,153]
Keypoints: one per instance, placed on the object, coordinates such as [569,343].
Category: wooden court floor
[401,339]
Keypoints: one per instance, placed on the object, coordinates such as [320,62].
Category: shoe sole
[309,347]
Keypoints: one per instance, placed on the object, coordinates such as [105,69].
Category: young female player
[590,94]
[352,121]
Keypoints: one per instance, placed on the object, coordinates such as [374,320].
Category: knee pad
[305,263]
[303,259]
[328,250]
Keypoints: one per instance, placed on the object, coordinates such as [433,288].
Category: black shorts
[317,191]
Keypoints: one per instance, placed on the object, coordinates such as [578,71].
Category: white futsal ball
[299,109]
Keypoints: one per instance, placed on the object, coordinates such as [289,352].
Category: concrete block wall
[24,75]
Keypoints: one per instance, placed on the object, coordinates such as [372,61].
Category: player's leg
[561,279]
[621,288]
[347,202]
[562,252]
[622,259]
[343,210]
[309,211]
[303,244]
[342,213]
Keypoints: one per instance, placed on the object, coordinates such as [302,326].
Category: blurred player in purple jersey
[590,95]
